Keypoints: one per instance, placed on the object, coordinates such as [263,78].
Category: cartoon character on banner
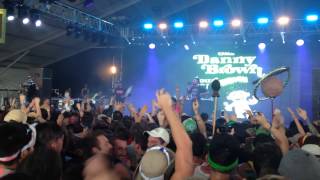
[239,102]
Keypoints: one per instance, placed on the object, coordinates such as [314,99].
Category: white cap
[312,149]
[16,115]
[160,133]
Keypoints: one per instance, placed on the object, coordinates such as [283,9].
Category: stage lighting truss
[75,16]
[248,31]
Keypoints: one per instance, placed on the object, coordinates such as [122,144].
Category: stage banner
[235,73]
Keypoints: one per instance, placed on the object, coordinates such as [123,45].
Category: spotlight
[262,20]
[10,18]
[163,26]
[25,20]
[38,23]
[178,25]
[261,46]
[300,42]
[152,46]
[312,18]
[113,69]
[283,20]
[203,24]
[218,23]
[186,47]
[236,23]
[148,26]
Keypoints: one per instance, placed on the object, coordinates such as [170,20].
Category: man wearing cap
[158,137]
[17,142]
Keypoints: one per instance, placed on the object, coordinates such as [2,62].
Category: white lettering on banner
[228,64]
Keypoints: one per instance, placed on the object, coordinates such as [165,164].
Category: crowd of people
[102,142]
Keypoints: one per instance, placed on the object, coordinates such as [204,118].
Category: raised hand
[277,120]
[262,120]
[151,120]
[164,99]
[302,113]
[293,115]
[195,106]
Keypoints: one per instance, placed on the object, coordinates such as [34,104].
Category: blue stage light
[148,26]
[178,25]
[312,17]
[218,23]
[262,46]
[152,46]
[263,20]
[300,42]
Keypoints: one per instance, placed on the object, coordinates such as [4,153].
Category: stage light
[178,25]
[38,23]
[203,24]
[236,23]
[148,26]
[163,26]
[263,20]
[10,18]
[283,20]
[186,47]
[152,46]
[312,18]
[300,42]
[218,23]
[113,69]
[261,46]
[25,20]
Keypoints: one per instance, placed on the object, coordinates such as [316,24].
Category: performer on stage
[194,90]
[119,92]
[85,91]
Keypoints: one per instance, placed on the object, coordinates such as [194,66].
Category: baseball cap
[156,163]
[16,115]
[298,164]
[190,125]
[312,149]
[15,138]
[159,133]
